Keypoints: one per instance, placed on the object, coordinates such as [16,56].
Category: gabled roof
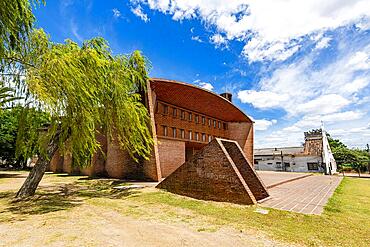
[197,99]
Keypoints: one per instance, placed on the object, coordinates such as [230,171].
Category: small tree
[362,160]
[355,158]
[85,89]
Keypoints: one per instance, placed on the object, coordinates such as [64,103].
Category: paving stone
[307,195]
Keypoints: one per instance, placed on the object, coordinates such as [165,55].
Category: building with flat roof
[184,119]
[314,156]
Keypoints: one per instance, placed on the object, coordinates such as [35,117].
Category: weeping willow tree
[16,22]
[85,89]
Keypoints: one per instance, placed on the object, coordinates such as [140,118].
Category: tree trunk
[34,177]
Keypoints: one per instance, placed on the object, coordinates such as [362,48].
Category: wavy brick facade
[184,119]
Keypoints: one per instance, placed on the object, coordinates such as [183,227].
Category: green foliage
[6,96]
[87,90]
[335,143]
[349,158]
[31,122]
[16,23]
[14,119]
[8,133]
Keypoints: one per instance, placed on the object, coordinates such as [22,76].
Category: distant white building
[314,156]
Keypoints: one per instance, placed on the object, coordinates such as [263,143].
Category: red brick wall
[56,163]
[97,167]
[67,164]
[245,168]
[151,167]
[209,175]
[171,155]
[119,164]
[249,146]
[171,121]
[243,133]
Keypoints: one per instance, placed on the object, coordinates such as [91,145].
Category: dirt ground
[51,220]
[108,228]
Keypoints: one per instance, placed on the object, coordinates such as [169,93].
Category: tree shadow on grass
[104,188]
[55,198]
[12,175]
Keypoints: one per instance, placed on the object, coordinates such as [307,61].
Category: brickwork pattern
[211,175]
[250,176]
[97,167]
[313,147]
[119,164]
[67,165]
[243,133]
[171,155]
[175,120]
[197,99]
[151,167]
[56,163]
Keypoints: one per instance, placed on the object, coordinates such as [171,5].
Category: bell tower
[313,144]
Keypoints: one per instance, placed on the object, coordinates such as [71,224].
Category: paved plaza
[306,195]
[273,178]
[292,191]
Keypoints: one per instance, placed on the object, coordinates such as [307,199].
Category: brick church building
[184,119]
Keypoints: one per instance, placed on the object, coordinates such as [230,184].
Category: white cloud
[314,121]
[262,99]
[343,116]
[360,61]
[303,88]
[335,92]
[197,38]
[292,135]
[354,137]
[263,124]
[138,11]
[258,50]
[323,43]
[270,28]
[323,104]
[219,40]
[205,85]
[116,13]
[356,85]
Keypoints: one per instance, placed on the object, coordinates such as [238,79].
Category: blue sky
[289,64]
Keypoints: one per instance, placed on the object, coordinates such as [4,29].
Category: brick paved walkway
[307,195]
[271,178]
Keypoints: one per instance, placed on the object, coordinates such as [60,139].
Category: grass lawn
[345,221]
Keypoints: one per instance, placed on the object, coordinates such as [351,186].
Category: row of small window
[180,133]
[197,118]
